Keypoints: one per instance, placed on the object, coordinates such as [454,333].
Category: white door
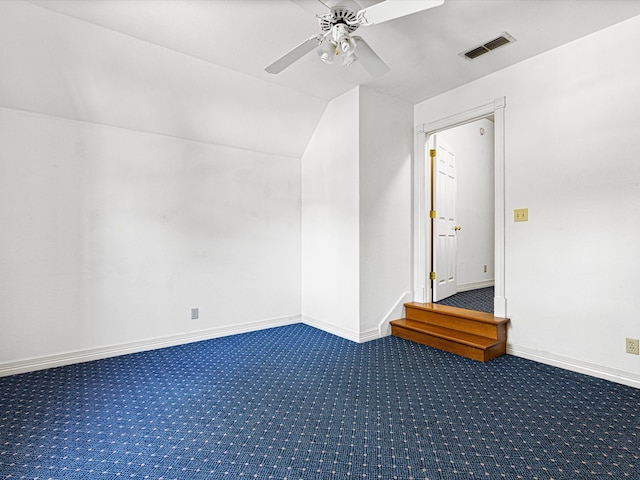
[444,228]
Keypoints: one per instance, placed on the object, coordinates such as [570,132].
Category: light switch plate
[521,215]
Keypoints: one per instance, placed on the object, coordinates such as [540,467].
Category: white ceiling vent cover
[497,42]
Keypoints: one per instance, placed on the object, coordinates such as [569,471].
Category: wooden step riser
[450,346]
[498,332]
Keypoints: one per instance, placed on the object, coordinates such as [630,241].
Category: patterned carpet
[297,403]
[480,300]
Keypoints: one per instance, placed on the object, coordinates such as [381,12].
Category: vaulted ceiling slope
[195,68]
[57,65]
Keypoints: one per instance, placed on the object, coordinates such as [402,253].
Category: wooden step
[470,321]
[476,335]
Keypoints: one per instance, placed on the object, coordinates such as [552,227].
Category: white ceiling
[421,49]
[194,69]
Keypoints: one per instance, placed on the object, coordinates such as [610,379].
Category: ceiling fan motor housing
[339,16]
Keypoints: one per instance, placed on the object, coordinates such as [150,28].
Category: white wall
[386,150]
[135,183]
[356,215]
[474,202]
[110,236]
[330,213]
[138,182]
[572,152]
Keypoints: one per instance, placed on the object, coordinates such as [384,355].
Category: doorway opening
[427,135]
[460,177]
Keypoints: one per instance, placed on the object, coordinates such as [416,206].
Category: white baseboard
[465,287]
[331,328]
[50,361]
[368,335]
[382,330]
[600,371]
[79,356]
[396,312]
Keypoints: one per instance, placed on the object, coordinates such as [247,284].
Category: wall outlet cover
[521,215]
[633,346]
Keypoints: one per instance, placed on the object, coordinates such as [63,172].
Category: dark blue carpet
[480,300]
[298,403]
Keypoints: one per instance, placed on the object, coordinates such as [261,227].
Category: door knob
[457,228]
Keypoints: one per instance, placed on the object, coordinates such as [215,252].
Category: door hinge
[432,153]
[432,276]
[432,214]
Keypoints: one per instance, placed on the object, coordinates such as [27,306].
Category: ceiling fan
[343,17]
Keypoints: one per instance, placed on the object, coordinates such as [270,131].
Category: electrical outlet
[195,313]
[632,346]
[521,215]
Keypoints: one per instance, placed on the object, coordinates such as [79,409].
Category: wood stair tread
[477,335]
[457,336]
[481,317]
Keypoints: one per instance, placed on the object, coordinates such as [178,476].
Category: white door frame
[421,220]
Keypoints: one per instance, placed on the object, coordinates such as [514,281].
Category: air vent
[475,52]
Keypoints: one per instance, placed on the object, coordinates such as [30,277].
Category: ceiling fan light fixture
[349,58]
[346,43]
[341,44]
[327,51]
[348,47]
[326,58]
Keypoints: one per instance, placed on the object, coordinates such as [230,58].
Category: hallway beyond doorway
[480,300]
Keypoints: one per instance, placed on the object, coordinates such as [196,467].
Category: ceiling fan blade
[391,9]
[369,60]
[296,54]
[315,7]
